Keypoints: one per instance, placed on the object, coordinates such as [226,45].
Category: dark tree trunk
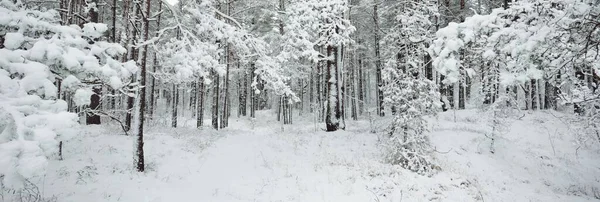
[379,80]
[139,159]
[322,86]
[461,95]
[215,103]
[319,96]
[93,118]
[243,92]
[311,91]
[174,105]
[114,23]
[130,101]
[333,115]
[200,104]
[353,88]
[534,95]
[361,84]
[153,91]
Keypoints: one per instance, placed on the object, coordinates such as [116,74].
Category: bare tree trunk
[253,96]
[279,108]
[200,103]
[527,90]
[139,154]
[243,94]
[311,92]
[301,103]
[322,87]
[131,56]
[361,85]
[353,88]
[92,118]
[319,91]
[332,118]
[380,108]
[215,103]
[152,89]
[225,114]
[174,105]
[535,104]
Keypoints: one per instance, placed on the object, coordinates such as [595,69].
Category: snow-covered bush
[412,99]
[500,113]
[37,51]
[407,92]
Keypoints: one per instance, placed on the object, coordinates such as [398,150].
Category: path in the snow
[269,164]
[298,164]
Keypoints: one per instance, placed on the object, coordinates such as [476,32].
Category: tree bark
[333,116]
[200,104]
[379,80]
[174,105]
[139,154]
[215,103]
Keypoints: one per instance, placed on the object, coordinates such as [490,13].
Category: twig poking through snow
[374,194]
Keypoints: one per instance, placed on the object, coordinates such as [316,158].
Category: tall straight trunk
[130,102]
[63,16]
[141,103]
[193,98]
[252,92]
[215,103]
[334,113]
[174,105]
[461,84]
[311,91]
[183,105]
[380,107]
[550,96]
[527,90]
[352,84]
[153,91]
[243,94]
[301,89]
[339,66]
[342,78]
[319,90]
[200,103]
[225,113]
[132,55]
[361,84]
[323,88]
[286,108]
[279,108]
[126,23]
[92,118]
[175,91]
[114,20]
[536,94]
[461,95]
[69,15]
[228,56]
[168,99]
[290,110]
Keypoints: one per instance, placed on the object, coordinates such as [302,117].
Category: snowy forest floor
[536,159]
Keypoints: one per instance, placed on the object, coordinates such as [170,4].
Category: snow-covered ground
[263,161]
